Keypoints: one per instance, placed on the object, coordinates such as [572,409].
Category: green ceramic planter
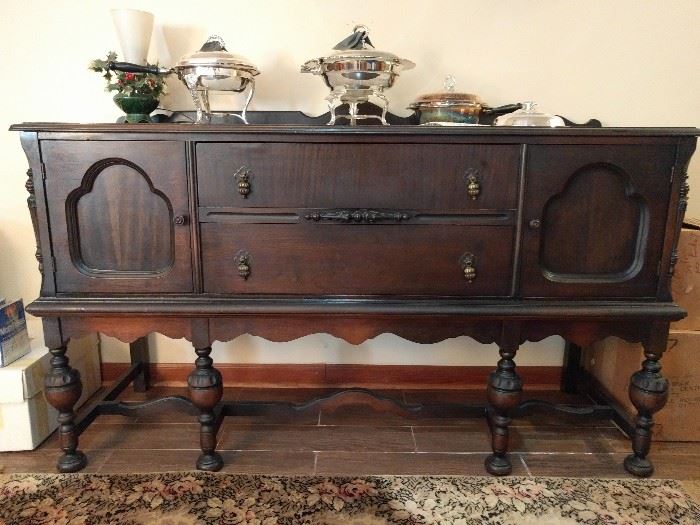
[137,107]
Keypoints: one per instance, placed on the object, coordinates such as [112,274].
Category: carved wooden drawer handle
[468,264]
[242,175]
[360,216]
[243,265]
[473,187]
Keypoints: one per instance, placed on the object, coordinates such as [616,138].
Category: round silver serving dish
[452,107]
[355,73]
[217,69]
[212,68]
[528,116]
[448,106]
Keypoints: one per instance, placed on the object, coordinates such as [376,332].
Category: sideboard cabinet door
[119,216]
[594,220]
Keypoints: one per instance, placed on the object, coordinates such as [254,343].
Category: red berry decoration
[128,83]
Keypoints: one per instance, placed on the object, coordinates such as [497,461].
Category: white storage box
[26,419]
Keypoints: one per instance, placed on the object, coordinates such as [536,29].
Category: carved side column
[206,390]
[503,394]
[680,214]
[648,392]
[31,204]
[63,389]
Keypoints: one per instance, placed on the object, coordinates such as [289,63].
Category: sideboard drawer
[330,259]
[414,176]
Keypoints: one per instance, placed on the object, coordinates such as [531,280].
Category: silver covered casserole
[355,72]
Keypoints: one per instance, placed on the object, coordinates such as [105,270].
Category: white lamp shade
[134,29]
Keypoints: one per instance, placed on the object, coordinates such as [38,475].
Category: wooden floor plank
[131,436]
[315,438]
[567,439]
[610,465]
[474,438]
[576,465]
[287,463]
[140,461]
[36,461]
[382,463]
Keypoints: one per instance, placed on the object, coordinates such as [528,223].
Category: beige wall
[626,62]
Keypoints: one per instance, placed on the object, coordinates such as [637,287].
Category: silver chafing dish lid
[214,54]
[359,47]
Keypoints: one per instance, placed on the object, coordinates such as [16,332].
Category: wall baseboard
[321,375]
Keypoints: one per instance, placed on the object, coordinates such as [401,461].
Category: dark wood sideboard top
[399,130]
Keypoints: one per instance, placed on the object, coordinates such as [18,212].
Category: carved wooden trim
[31,203]
[584,333]
[85,188]
[352,329]
[682,207]
[297,117]
[358,216]
[127,330]
[678,203]
[631,194]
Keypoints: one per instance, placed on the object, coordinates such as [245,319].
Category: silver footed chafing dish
[212,68]
[355,73]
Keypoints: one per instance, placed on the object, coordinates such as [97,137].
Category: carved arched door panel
[122,226]
[594,220]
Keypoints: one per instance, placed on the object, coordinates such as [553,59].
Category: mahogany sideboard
[503,234]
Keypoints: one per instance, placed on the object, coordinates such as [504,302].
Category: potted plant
[137,93]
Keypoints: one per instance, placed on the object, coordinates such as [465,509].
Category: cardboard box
[26,419]
[613,362]
[685,285]
[14,341]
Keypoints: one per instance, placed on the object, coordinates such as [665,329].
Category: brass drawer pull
[473,187]
[242,175]
[468,264]
[473,183]
[357,216]
[243,265]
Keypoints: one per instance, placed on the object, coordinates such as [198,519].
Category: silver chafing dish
[356,72]
[212,68]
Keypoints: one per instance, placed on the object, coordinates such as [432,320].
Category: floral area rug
[190,498]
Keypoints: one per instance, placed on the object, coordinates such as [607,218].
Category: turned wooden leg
[63,389]
[648,392]
[503,394]
[206,389]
